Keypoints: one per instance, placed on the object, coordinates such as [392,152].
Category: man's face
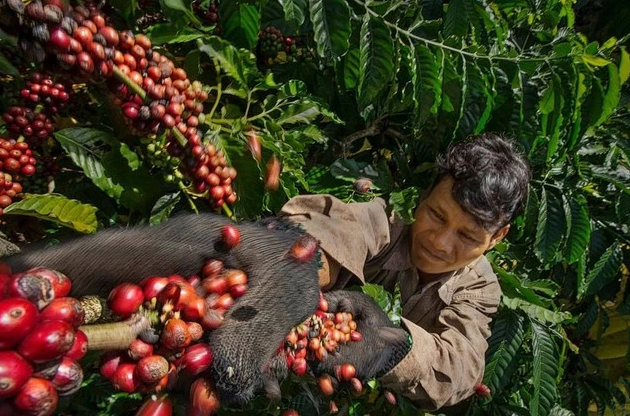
[444,237]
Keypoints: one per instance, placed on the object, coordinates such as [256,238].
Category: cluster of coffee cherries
[185,308]
[24,121]
[208,11]
[297,50]
[16,162]
[42,181]
[271,41]
[153,360]
[155,96]
[42,89]
[322,334]
[41,341]
[43,98]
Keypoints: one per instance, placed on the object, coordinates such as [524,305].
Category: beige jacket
[448,319]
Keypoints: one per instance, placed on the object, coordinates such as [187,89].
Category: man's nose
[443,241]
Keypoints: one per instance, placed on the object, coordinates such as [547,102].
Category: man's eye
[468,238]
[436,214]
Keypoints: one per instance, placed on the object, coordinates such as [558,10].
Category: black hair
[491,178]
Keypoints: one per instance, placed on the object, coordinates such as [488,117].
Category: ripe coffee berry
[14,373]
[325,385]
[230,236]
[23,121]
[482,390]
[208,13]
[125,299]
[17,318]
[41,89]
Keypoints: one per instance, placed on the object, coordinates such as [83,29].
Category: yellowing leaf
[59,209]
[593,60]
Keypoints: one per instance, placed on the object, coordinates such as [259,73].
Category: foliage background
[376,89]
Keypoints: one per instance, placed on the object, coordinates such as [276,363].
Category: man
[448,288]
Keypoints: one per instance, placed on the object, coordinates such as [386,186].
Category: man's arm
[443,366]
[349,234]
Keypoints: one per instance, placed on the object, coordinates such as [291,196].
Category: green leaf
[292,88]
[426,79]
[624,66]
[550,228]
[107,163]
[552,123]
[593,104]
[6,67]
[594,60]
[125,8]
[168,33]
[351,68]
[547,101]
[506,339]
[513,287]
[350,170]
[613,94]
[376,59]
[605,269]
[530,216]
[588,318]
[163,208]
[476,107]
[131,158]
[580,231]
[192,64]
[81,145]
[560,411]
[404,203]
[389,303]
[294,11]
[331,24]
[302,112]
[618,177]
[547,287]
[230,60]
[456,21]
[538,312]
[313,133]
[622,207]
[58,209]
[240,23]
[179,6]
[544,372]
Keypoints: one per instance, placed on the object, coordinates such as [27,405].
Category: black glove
[383,345]
[282,291]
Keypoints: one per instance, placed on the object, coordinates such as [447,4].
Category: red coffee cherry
[14,373]
[230,236]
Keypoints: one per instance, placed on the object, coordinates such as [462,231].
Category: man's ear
[498,236]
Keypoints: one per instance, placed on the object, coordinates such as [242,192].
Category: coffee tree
[235,106]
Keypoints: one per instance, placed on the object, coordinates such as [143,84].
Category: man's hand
[383,345]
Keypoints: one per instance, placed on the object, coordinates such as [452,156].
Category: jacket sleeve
[444,365]
[349,233]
